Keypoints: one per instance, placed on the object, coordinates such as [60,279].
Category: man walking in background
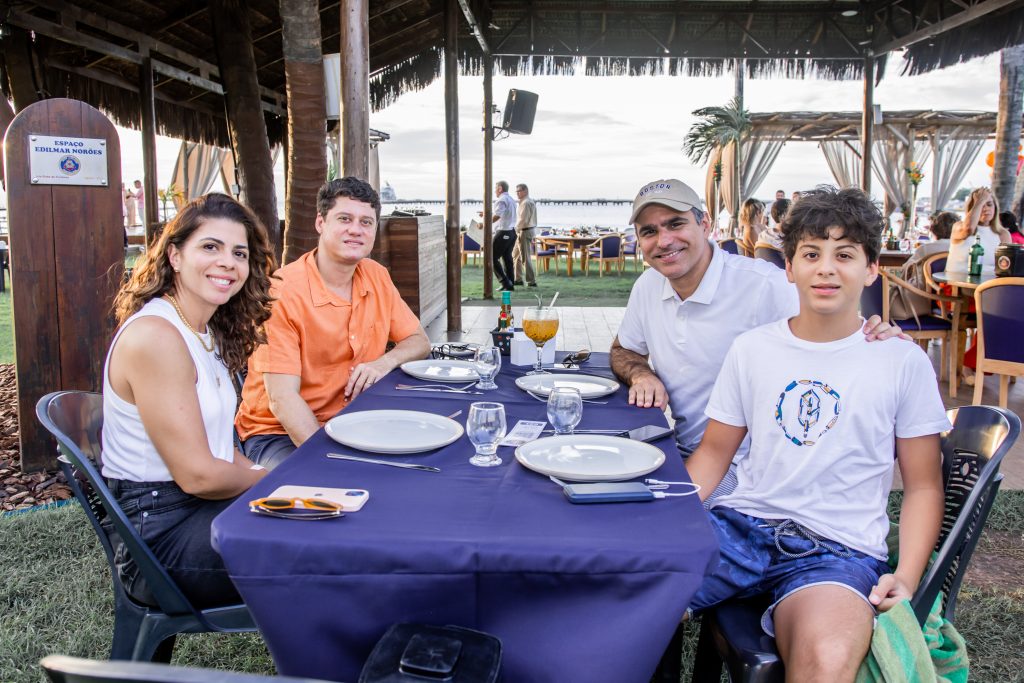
[504,234]
[526,225]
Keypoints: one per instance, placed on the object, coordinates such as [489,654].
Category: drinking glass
[487,363]
[565,409]
[485,427]
[540,324]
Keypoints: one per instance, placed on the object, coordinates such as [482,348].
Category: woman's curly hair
[236,326]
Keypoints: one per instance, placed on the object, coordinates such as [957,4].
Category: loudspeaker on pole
[520,108]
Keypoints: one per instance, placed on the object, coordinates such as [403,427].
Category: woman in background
[1009,221]
[752,222]
[981,218]
[190,316]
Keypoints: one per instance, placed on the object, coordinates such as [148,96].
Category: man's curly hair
[826,207]
[237,326]
[349,186]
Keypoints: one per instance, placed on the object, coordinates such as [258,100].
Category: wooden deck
[594,329]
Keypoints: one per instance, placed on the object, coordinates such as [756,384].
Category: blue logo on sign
[70,165]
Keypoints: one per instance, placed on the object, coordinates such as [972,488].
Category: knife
[389,463]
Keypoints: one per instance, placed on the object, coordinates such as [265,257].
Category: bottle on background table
[977,251]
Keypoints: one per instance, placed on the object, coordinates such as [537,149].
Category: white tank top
[128,452]
[960,252]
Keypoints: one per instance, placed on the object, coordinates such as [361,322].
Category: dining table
[963,285]
[574,592]
[571,244]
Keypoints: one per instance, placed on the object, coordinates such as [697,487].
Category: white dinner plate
[441,370]
[588,457]
[393,431]
[590,386]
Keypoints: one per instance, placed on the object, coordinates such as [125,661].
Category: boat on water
[387,193]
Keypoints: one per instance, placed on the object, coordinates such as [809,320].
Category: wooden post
[488,246]
[936,165]
[737,158]
[453,237]
[867,124]
[150,218]
[67,261]
[355,88]
[17,50]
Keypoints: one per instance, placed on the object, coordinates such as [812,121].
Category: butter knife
[389,463]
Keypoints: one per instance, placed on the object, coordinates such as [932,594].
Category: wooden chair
[875,301]
[936,263]
[630,247]
[470,247]
[605,250]
[1000,307]
[730,245]
[545,251]
[745,248]
[770,254]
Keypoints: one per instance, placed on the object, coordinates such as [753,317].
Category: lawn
[579,290]
[55,597]
[6,326]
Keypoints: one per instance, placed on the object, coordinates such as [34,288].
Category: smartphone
[610,492]
[649,433]
[350,500]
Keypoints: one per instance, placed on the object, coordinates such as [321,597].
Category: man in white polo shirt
[685,311]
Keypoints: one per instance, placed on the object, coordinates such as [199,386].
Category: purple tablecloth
[575,592]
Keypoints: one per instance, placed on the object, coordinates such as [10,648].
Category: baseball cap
[675,194]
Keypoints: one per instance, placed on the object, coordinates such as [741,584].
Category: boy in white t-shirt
[825,409]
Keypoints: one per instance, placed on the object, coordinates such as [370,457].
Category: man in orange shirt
[335,311]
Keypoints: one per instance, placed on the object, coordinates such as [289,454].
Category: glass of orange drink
[540,324]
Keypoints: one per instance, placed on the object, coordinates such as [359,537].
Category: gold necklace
[191,329]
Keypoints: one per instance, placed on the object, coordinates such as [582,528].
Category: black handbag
[420,652]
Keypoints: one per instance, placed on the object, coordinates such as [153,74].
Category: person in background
[941,227]
[334,314]
[752,222]
[796,196]
[140,202]
[526,228]
[130,207]
[1009,222]
[190,315]
[504,235]
[770,236]
[981,217]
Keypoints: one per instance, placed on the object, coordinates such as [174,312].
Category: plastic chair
[470,247]
[606,249]
[141,632]
[772,255]
[63,669]
[875,298]
[971,454]
[730,245]
[1000,308]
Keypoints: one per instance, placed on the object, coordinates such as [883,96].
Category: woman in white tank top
[981,217]
[190,316]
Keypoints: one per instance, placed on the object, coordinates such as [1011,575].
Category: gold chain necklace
[191,329]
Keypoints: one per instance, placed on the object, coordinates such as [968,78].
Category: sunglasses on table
[296,508]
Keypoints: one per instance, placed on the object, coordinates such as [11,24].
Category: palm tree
[1011,92]
[307,123]
[719,127]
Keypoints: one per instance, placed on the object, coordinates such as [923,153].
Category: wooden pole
[149,216]
[936,165]
[866,125]
[488,246]
[355,88]
[453,237]
[737,158]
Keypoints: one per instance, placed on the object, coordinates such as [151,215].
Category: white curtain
[759,154]
[889,162]
[957,150]
[712,197]
[844,160]
[195,170]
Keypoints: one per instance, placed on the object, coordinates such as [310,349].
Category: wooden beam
[150,216]
[867,124]
[355,88]
[474,26]
[453,236]
[488,245]
[397,35]
[976,12]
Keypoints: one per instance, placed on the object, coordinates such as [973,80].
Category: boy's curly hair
[826,207]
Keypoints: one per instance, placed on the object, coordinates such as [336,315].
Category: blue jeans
[779,558]
[269,450]
[176,527]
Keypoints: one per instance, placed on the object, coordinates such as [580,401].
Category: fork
[460,387]
[585,400]
[439,389]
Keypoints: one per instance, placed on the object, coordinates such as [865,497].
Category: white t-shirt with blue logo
[823,419]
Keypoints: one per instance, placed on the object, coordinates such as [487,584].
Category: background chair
[875,298]
[605,250]
[771,254]
[141,632]
[546,251]
[1000,309]
[470,247]
[936,263]
[63,669]
[631,248]
[971,455]
[730,245]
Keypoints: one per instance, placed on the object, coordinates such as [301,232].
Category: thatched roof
[90,49]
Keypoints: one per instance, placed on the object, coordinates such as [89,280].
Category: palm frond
[716,127]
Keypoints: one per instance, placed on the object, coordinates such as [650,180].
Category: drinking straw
[553,299]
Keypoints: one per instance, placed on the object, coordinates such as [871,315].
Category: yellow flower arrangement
[914,174]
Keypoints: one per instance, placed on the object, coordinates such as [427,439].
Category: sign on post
[64,160]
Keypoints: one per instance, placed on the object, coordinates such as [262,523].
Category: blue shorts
[778,558]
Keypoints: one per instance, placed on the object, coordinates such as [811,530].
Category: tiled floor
[594,329]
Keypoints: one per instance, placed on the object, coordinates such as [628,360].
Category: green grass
[55,597]
[6,326]
[578,290]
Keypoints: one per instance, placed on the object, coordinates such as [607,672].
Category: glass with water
[485,427]
[565,409]
[487,362]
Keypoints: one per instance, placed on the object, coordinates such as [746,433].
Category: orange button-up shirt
[320,337]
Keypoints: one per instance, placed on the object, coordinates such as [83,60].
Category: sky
[607,136]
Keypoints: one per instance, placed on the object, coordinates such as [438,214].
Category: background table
[963,285]
[575,592]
